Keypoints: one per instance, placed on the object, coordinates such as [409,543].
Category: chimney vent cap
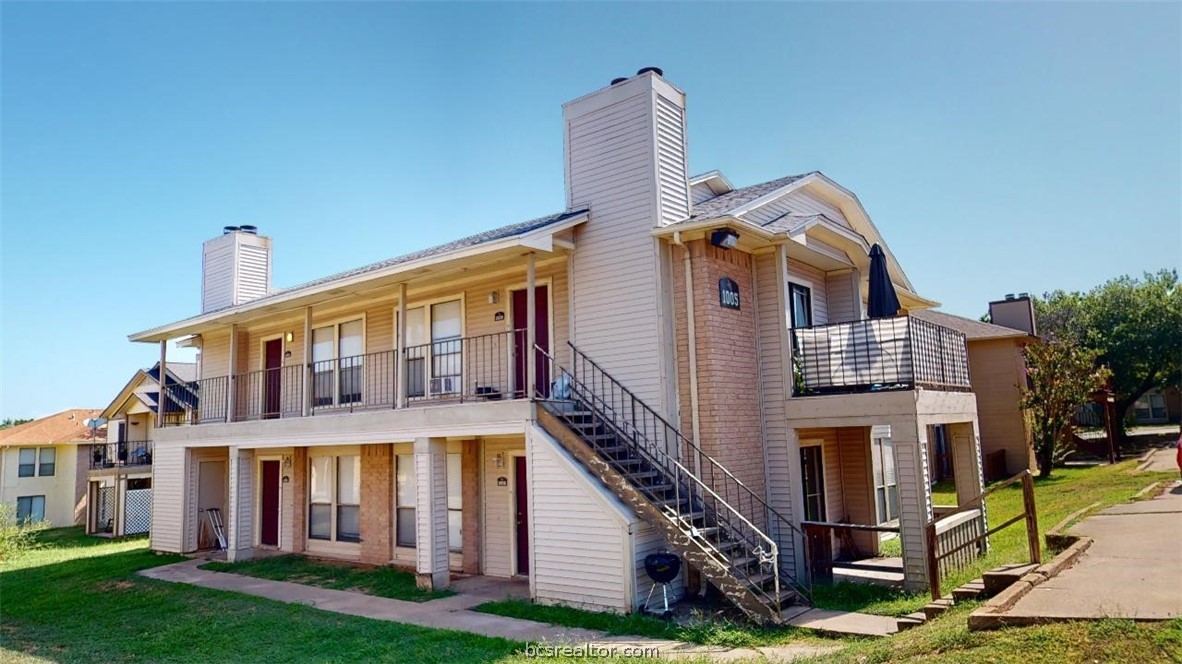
[1009,296]
[656,70]
[229,229]
[1024,295]
[253,230]
[616,81]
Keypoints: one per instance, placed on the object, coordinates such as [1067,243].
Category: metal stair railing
[703,486]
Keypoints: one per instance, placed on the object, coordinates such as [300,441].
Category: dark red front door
[273,359]
[541,337]
[522,509]
[269,519]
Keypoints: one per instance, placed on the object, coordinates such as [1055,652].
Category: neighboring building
[1158,406]
[668,363]
[997,370]
[119,469]
[42,467]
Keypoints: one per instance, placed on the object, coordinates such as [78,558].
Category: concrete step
[937,607]
[997,580]
[912,620]
[842,622]
[974,589]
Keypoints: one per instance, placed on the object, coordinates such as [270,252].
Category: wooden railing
[949,546]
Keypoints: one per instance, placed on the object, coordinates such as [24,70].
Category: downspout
[693,347]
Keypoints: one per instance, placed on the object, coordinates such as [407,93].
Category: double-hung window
[886,484]
[36,462]
[334,500]
[30,508]
[337,363]
[434,349]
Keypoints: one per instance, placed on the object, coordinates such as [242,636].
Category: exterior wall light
[494,297]
[725,238]
[290,337]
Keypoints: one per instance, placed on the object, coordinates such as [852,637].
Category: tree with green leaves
[1062,377]
[1134,327]
[12,422]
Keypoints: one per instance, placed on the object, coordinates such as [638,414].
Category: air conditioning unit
[445,385]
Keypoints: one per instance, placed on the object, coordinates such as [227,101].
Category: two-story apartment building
[668,363]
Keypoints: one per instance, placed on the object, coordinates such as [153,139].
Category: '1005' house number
[728,293]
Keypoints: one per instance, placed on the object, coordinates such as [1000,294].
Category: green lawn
[378,581]
[1055,497]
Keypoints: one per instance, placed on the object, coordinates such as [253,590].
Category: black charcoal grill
[662,567]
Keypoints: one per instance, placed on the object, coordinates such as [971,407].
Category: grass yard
[378,581]
[1056,497]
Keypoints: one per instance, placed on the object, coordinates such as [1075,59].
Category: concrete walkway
[1132,570]
[455,613]
[1162,460]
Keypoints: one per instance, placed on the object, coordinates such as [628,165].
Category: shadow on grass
[377,581]
[88,605]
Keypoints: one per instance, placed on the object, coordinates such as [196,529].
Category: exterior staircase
[707,515]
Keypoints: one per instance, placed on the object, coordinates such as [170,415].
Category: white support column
[163,383]
[431,551]
[233,362]
[400,345]
[306,376]
[915,498]
[784,304]
[240,513]
[795,504]
[531,333]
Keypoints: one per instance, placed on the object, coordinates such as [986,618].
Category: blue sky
[999,147]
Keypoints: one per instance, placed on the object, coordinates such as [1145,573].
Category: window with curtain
[886,483]
[322,366]
[27,462]
[337,363]
[348,499]
[416,352]
[446,355]
[46,459]
[455,503]
[30,508]
[350,351]
[320,498]
[405,489]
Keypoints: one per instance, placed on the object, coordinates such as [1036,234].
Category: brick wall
[470,469]
[728,368]
[377,495]
[299,499]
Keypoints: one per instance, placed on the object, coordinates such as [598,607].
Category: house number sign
[728,293]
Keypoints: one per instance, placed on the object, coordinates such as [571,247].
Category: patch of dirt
[114,585]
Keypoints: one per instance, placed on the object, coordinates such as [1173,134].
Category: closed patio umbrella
[884,303]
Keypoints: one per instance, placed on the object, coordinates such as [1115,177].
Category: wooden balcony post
[933,548]
[531,333]
[163,383]
[306,379]
[1031,518]
[233,361]
[400,359]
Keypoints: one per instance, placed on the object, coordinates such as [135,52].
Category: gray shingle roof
[493,235]
[720,205]
[972,329]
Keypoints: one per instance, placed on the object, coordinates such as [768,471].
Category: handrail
[664,460]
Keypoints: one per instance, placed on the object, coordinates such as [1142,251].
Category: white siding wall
[254,272]
[235,268]
[700,192]
[240,511]
[217,274]
[498,509]
[168,493]
[612,166]
[646,540]
[807,275]
[841,301]
[579,532]
[773,388]
[799,202]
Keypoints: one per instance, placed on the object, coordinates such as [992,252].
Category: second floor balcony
[878,354]
[120,454]
[487,367]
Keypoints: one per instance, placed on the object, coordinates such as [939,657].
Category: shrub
[16,536]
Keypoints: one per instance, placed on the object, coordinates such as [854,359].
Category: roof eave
[538,240]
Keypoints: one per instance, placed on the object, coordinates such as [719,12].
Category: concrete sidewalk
[455,613]
[1133,568]
[1163,460]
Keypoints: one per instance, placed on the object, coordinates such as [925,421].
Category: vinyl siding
[240,511]
[853,448]
[841,301]
[807,275]
[215,354]
[578,532]
[773,356]
[645,540]
[701,192]
[997,370]
[799,202]
[498,508]
[169,490]
[611,168]
[671,161]
[254,272]
[217,270]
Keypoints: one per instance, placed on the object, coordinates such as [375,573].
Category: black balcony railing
[119,454]
[353,383]
[878,354]
[481,368]
[269,393]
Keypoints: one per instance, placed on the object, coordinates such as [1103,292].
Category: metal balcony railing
[878,354]
[121,454]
